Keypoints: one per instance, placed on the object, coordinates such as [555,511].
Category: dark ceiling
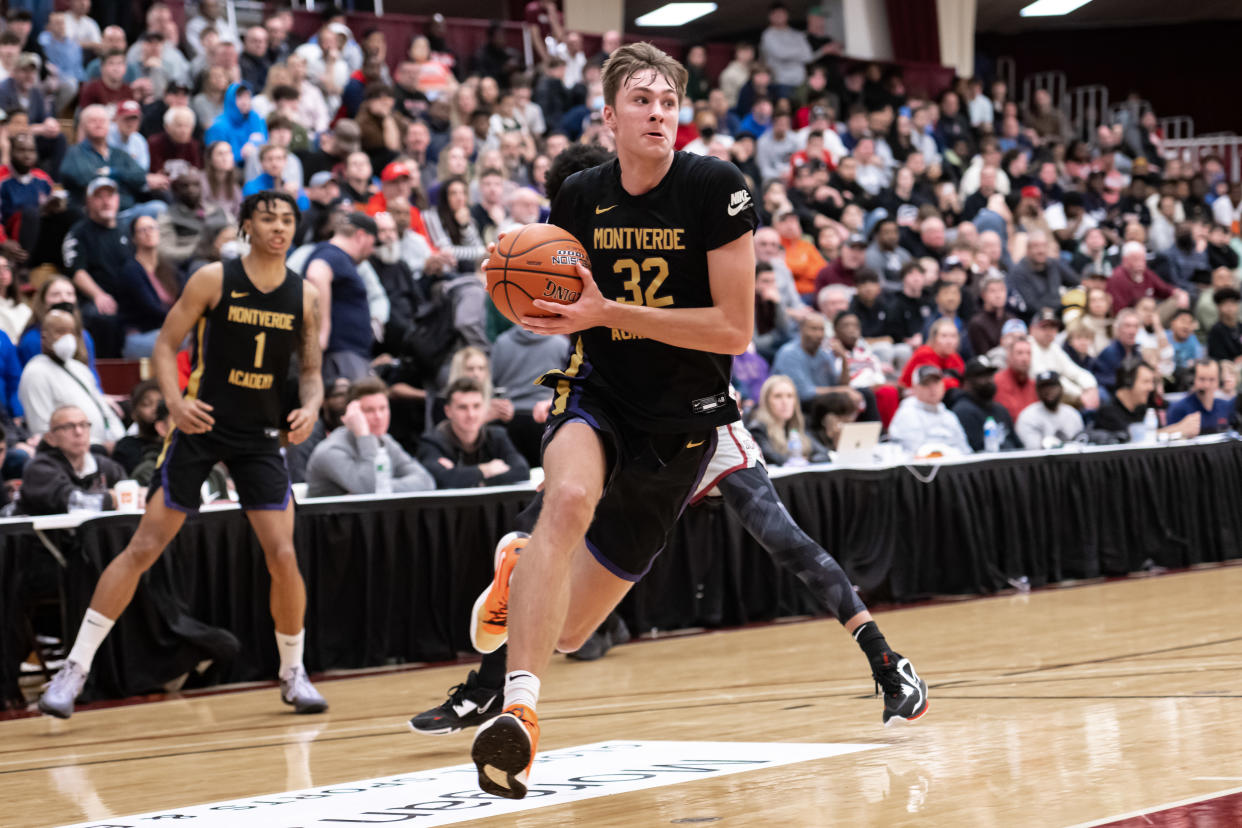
[738,18]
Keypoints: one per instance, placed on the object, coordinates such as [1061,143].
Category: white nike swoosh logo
[467,707]
[733,211]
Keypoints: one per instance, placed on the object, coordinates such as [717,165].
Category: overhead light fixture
[1052,8]
[675,14]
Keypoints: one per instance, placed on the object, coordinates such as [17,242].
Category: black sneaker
[905,694]
[468,705]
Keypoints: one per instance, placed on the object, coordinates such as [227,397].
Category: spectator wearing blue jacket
[1106,363]
[238,125]
[1213,411]
[272,159]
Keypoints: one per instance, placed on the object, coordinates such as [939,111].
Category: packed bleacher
[965,270]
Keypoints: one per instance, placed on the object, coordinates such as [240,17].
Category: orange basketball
[534,262]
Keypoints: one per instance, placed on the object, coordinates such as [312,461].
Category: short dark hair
[367,386]
[284,92]
[1226,295]
[462,385]
[865,275]
[941,284]
[1182,312]
[574,158]
[111,53]
[265,198]
[1206,362]
[909,266]
[1127,371]
[141,389]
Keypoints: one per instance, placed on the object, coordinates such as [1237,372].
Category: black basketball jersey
[241,351]
[652,250]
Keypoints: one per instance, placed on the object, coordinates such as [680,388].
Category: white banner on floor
[446,796]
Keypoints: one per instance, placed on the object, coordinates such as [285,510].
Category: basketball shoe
[468,705]
[489,622]
[57,700]
[905,694]
[298,691]
[504,750]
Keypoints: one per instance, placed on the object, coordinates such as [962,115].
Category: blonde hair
[457,368]
[778,432]
[627,61]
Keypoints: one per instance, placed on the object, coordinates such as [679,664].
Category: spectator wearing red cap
[399,185]
[124,134]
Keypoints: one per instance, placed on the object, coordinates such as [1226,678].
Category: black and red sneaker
[905,694]
[468,705]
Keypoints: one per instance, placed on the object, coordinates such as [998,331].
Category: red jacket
[924,355]
[1013,395]
[1126,292]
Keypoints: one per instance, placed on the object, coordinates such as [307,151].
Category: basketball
[534,262]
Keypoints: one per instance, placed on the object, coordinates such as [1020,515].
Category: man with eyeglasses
[65,468]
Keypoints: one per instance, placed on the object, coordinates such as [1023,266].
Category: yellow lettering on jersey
[619,335]
[249,379]
[639,238]
[262,318]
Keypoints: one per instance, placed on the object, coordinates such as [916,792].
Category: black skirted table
[392,580]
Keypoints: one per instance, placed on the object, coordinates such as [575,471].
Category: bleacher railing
[1193,150]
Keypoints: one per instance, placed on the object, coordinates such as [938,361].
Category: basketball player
[248,316]
[633,421]
[736,474]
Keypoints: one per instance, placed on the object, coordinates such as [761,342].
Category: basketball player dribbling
[249,316]
[634,417]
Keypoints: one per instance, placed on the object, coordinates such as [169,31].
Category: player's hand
[301,421]
[590,311]
[491,248]
[540,412]
[192,416]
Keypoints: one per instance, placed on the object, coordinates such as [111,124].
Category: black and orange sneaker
[905,694]
[504,750]
[468,705]
[489,623]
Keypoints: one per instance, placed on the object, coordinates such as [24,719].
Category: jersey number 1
[260,340]
[654,265]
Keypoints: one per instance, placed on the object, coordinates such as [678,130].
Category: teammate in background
[248,317]
[634,419]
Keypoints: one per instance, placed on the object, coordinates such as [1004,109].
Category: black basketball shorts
[254,462]
[649,481]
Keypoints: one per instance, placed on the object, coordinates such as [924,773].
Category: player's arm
[725,327]
[320,275]
[310,377]
[201,293]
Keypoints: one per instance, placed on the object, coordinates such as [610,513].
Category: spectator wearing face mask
[58,377]
[976,404]
[1048,422]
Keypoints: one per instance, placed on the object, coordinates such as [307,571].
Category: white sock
[521,687]
[95,628]
[290,647]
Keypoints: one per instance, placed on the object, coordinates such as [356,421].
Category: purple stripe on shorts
[612,567]
[168,501]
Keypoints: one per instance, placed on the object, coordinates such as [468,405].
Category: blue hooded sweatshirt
[239,130]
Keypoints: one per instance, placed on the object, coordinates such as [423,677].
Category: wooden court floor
[1057,708]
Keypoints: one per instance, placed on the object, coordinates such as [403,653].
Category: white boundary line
[1163,807]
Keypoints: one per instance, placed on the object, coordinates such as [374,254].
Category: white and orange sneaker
[504,749]
[489,623]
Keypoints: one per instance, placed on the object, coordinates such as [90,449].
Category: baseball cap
[177,86]
[856,240]
[1047,316]
[362,222]
[395,170]
[341,29]
[1031,191]
[980,366]
[319,179]
[1047,378]
[99,183]
[347,134]
[990,278]
[29,59]
[128,109]
[1013,326]
[927,373]
[953,263]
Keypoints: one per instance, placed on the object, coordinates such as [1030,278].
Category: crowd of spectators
[964,270]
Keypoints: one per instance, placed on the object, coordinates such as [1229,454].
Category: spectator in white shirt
[1047,355]
[1049,422]
[785,50]
[80,26]
[922,418]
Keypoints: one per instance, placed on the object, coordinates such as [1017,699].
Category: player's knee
[142,552]
[283,560]
[571,641]
[572,504]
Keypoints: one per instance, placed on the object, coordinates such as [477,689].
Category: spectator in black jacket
[462,452]
[145,401]
[977,402]
[64,465]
